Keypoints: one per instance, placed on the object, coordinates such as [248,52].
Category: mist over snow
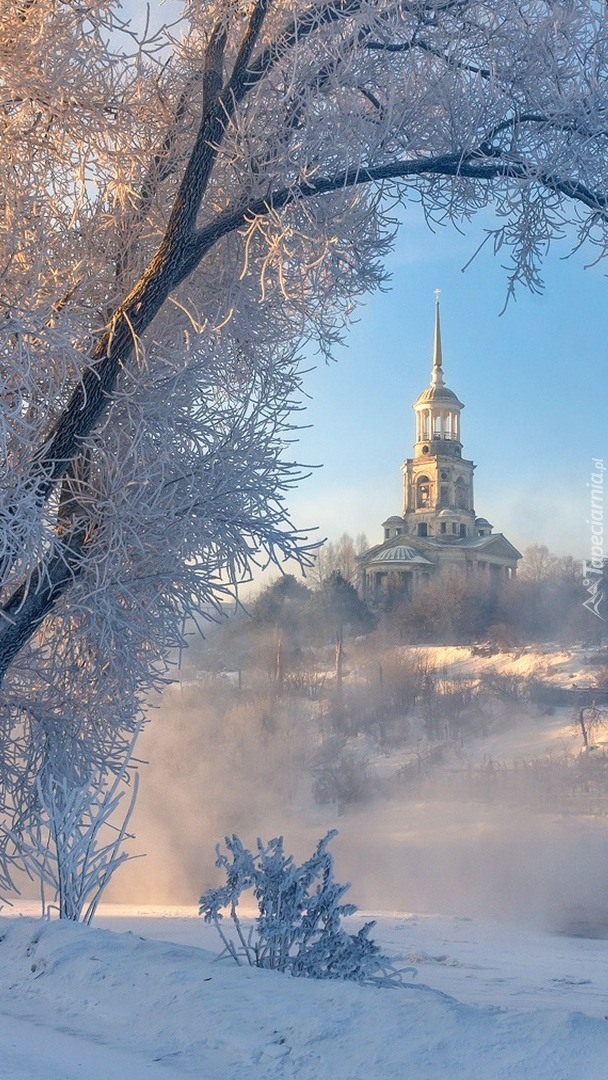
[495,826]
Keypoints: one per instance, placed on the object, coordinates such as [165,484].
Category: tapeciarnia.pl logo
[593,569]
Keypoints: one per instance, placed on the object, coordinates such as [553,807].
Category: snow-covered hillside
[488,1002]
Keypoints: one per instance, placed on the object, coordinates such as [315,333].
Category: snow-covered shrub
[298,929]
[74,841]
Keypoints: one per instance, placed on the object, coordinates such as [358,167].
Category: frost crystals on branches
[299,926]
[182,212]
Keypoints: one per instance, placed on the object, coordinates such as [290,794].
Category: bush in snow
[73,842]
[298,929]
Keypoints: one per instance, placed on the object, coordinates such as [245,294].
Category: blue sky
[533,380]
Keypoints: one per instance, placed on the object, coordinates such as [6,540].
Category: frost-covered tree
[180,213]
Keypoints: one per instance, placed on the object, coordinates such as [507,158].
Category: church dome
[400,553]
[437,394]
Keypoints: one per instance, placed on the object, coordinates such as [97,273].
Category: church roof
[496,541]
[425,549]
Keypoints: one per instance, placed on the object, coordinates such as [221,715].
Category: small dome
[438,394]
[483,521]
[445,513]
[400,553]
[395,519]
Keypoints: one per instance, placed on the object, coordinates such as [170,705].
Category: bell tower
[437,480]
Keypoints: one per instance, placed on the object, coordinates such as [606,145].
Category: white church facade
[438,528]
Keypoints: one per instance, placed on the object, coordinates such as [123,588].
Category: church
[438,529]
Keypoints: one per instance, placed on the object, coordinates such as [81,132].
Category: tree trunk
[339,656]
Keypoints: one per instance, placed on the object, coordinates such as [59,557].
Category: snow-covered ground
[141,996]
[504,989]
[554,664]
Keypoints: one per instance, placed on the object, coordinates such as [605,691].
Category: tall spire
[437,376]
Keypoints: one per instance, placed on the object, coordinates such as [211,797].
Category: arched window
[423,492]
